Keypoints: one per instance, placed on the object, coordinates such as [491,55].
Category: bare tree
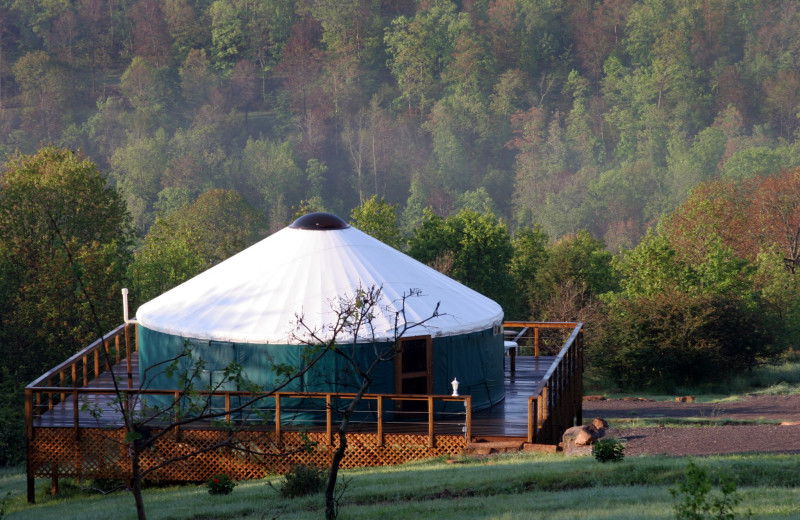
[144,426]
[355,317]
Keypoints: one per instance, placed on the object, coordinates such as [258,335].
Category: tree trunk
[330,498]
[136,483]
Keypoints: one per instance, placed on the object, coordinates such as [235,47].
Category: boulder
[584,435]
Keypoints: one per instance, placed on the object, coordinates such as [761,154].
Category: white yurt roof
[256,295]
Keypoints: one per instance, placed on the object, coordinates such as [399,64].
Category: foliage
[530,253]
[602,128]
[12,435]
[48,200]
[378,219]
[220,484]
[471,247]
[302,480]
[676,338]
[576,270]
[608,450]
[692,499]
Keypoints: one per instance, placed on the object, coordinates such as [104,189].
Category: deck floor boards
[508,418]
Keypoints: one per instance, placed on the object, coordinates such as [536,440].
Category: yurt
[246,310]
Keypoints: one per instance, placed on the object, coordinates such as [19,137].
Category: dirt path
[772,438]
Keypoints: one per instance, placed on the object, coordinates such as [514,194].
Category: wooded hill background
[571,114]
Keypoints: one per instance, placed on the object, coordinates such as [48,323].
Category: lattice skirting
[101,454]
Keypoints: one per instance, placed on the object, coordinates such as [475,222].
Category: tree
[378,219]
[137,168]
[530,253]
[471,247]
[748,217]
[44,87]
[576,271]
[47,200]
[419,48]
[270,176]
[353,323]
[674,338]
[151,38]
[145,423]
[197,78]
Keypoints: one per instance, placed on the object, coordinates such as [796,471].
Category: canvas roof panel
[255,296]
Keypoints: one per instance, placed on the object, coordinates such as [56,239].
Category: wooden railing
[557,402]
[79,370]
[461,419]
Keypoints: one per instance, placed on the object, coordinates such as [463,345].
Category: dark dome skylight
[320,221]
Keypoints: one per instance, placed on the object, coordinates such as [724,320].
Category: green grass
[523,485]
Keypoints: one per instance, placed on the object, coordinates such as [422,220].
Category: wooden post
[536,342]
[63,382]
[116,346]
[579,376]
[128,357]
[227,407]
[278,436]
[532,418]
[329,419]
[75,414]
[29,414]
[380,420]
[29,434]
[96,362]
[85,371]
[468,418]
[108,355]
[430,422]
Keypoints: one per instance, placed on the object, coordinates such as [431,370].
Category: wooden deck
[65,439]
[508,418]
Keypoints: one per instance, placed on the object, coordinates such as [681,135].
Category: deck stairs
[483,446]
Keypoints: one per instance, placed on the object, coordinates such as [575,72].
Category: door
[413,370]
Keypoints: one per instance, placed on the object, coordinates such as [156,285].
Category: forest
[629,163]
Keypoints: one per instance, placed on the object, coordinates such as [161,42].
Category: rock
[594,398]
[584,438]
[584,435]
[540,448]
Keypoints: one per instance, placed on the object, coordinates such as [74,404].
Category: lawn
[504,487]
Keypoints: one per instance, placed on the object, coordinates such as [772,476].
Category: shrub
[693,501]
[609,450]
[220,485]
[677,339]
[302,480]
